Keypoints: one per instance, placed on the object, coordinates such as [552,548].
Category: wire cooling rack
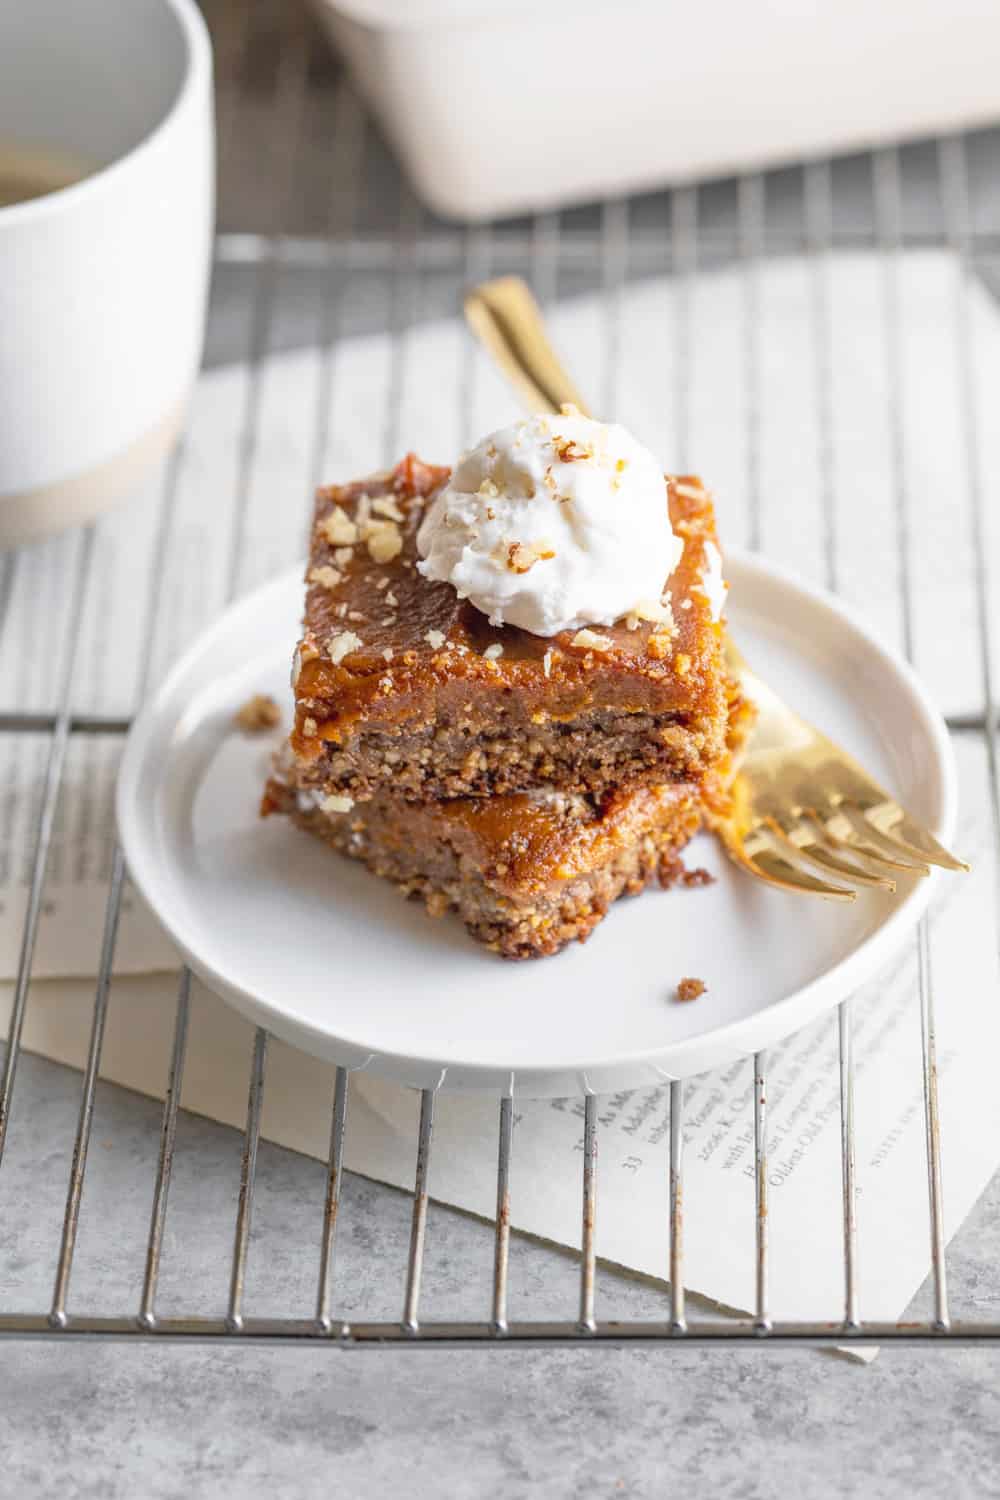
[306,184]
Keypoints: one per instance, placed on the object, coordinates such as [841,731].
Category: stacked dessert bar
[525,781]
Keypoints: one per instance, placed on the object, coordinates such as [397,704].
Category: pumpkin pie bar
[527,873]
[404,687]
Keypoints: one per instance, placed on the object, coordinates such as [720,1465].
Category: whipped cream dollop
[553,523]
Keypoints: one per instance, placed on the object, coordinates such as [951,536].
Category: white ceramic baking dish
[501,106]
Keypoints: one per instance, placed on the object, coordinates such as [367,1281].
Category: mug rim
[197,62]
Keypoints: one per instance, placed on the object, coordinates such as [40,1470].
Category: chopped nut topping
[343,556]
[386,506]
[589,640]
[382,583]
[547,663]
[338,528]
[660,644]
[521,556]
[390,598]
[341,645]
[434,639]
[489,489]
[341,611]
[355,614]
[389,620]
[387,654]
[492,652]
[653,609]
[570,451]
[309,726]
[337,804]
[326,577]
[656,611]
[385,540]
[258,713]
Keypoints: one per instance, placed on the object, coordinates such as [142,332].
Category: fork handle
[505,317]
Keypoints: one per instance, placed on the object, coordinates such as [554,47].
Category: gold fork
[801,804]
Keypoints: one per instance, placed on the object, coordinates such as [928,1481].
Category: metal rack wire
[604,240]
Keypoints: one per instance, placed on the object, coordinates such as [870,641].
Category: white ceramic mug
[102,283]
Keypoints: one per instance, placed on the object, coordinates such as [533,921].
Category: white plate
[336,962]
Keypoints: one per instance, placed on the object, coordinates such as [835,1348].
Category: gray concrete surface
[189,1423]
[148,1423]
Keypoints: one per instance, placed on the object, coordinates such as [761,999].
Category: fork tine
[767,865]
[875,864]
[914,838]
[849,823]
[859,873]
[839,833]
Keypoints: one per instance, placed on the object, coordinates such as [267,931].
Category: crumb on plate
[690,989]
[257,714]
